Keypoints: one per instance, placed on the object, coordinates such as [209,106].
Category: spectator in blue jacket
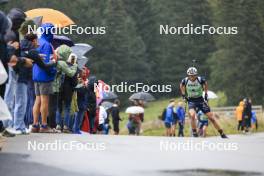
[203,123]
[28,47]
[169,118]
[43,81]
[254,120]
[181,115]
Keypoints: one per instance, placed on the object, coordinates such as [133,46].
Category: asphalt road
[68,154]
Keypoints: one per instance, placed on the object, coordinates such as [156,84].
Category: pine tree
[238,62]
[122,50]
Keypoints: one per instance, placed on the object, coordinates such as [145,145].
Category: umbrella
[108,95]
[55,17]
[3,1]
[142,96]
[211,94]
[82,61]
[38,20]
[60,40]
[80,49]
[134,110]
[107,105]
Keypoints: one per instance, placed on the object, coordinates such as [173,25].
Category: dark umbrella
[109,95]
[142,96]
[60,40]
[3,1]
[38,20]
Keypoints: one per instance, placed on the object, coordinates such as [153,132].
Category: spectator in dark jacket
[15,93]
[9,55]
[247,114]
[181,115]
[82,99]
[17,17]
[115,116]
[92,103]
[65,97]
[21,98]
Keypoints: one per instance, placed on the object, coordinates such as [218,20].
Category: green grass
[152,126]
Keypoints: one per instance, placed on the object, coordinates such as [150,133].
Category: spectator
[43,82]
[92,103]
[169,118]
[10,56]
[23,77]
[239,115]
[140,103]
[66,81]
[134,124]
[102,119]
[5,26]
[82,99]
[17,17]
[254,121]
[181,115]
[107,121]
[174,122]
[203,123]
[247,114]
[115,116]
[29,47]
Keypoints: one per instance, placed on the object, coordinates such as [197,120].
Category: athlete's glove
[206,97]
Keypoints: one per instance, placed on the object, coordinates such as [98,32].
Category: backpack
[163,115]
[71,81]
[74,81]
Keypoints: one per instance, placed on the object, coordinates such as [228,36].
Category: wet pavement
[68,154]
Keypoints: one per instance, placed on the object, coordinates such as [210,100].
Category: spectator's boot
[58,128]
[66,129]
[35,129]
[194,132]
[46,129]
[5,133]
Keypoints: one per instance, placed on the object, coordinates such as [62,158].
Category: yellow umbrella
[55,17]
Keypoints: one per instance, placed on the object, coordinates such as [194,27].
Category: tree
[237,64]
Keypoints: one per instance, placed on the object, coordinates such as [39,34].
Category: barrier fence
[230,111]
